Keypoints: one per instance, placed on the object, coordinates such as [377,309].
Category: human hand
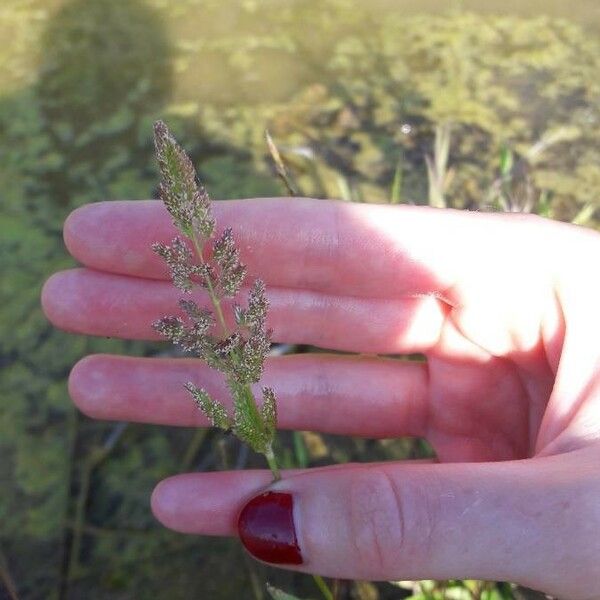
[504,307]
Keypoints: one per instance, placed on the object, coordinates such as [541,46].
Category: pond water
[337,80]
[22,23]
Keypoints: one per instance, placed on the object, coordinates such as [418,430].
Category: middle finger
[104,304]
[362,396]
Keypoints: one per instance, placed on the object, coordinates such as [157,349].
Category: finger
[370,397]
[103,304]
[206,503]
[209,503]
[495,521]
[334,247]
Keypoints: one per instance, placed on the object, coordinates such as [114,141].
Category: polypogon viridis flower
[238,353]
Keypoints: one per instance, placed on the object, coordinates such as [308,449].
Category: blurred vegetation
[456,109]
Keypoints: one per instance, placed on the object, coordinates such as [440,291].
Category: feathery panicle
[238,354]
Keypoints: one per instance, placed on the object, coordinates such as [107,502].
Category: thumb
[514,521]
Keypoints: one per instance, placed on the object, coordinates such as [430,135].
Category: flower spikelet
[172,328]
[247,422]
[268,411]
[258,343]
[214,410]
[179,260]
[202,318]
[258,305]
[254,350]
[227,257]
[253,317]
[229,345]
[184,198]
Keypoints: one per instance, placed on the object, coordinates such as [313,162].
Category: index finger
[329,246]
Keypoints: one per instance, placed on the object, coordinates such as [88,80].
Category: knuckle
[377,523]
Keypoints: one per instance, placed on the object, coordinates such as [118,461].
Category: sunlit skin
[504,307]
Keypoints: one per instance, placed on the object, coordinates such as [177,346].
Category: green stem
[323,587]
[210,287]
[283,173]
[84,487]
[270,456]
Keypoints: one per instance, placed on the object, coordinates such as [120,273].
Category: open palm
[505,310]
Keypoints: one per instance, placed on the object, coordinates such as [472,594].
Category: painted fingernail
[266,527]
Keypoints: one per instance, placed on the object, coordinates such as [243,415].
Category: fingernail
[266,527]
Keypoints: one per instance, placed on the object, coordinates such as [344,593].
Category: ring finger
[371,397]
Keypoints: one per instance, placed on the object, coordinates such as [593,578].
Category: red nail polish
[266,527]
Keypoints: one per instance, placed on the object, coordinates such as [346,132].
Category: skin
[505,309]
